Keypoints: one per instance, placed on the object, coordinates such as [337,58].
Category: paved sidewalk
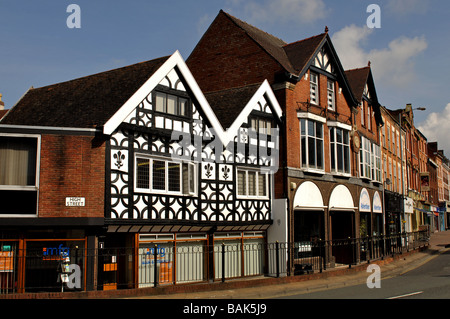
[439,242]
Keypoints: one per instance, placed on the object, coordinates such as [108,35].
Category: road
[429,281]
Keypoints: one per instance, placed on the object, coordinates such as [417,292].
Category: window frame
[38,162]
[331,92]
[192,169]
[257,172]
[307,137]
[170,93]
[314,88]
[345,148]
[370,164]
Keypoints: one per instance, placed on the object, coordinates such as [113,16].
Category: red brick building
[327,178]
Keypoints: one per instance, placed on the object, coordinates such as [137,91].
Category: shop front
[394,212]
[177,258]
[342,212]
[43,264]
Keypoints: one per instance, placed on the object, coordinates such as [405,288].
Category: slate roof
[293,57]
[358,79]
[228,104]
[86,102]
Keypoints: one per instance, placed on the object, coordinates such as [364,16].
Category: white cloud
[436,129]
[393,65]
[300,11]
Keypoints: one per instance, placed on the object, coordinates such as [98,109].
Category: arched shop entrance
[342,213]
[308,213]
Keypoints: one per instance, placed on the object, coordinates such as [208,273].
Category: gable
[174,74]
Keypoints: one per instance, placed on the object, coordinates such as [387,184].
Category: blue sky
[409,53]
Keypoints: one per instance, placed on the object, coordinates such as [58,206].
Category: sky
[408,47]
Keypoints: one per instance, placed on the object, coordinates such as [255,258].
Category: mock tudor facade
[143,162]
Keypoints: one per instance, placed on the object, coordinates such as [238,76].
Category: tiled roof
[85,102]
[228,104]
[301,52]
[358,79]
[271,44]
[3,113]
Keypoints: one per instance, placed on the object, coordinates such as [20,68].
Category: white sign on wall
[364,201]
[75,201]
[377,205]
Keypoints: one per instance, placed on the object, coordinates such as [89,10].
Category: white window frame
[345,147]
[331,97]
[314,88]
[261,125]
[370,164]
[192,169]
[307,166]
[258,173]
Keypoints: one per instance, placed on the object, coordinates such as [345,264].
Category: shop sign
[408,205]
[377,206]
[75,201]
[55,253]
[6,261]
[364,201]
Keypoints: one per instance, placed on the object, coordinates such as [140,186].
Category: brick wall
[71,166]
[227,57]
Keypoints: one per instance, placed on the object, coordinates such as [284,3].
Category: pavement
[336,278]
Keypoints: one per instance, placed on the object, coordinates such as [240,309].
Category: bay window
[311,135]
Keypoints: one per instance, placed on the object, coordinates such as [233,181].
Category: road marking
[407,295]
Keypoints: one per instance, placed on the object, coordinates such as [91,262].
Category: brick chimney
[2,104]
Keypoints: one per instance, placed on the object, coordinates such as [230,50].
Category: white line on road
[407,295]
